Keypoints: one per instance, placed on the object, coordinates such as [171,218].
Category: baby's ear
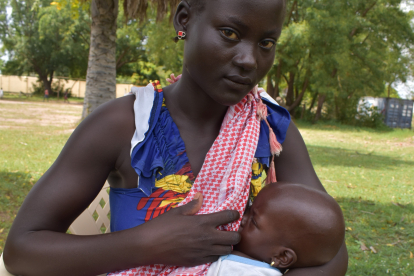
[284,258]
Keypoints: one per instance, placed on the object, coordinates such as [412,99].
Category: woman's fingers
[193,206]
[226,238]
[221,218]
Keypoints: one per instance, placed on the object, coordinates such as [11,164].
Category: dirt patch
[38,114]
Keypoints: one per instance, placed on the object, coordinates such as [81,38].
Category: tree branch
[125,62]
[300,97]
[291,12]
[368,9]
[364,14]
[121,56]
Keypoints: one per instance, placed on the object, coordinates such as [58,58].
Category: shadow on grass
[379,237]
[14,187]
[335,126]
[328,156]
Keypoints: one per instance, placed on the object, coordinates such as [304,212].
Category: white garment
[231,265]
[1,93]
[143,104]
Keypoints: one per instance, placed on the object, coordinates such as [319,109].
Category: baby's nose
[244,219]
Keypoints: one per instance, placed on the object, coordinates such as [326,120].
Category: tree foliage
[334,52]
[40,39]
[330,53]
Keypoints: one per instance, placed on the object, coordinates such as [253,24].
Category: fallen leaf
[411,255]
[348,229]
[363,247]
[373,249]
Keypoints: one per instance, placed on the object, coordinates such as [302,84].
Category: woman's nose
[246,58]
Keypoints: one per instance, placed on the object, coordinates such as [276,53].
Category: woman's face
[230,46]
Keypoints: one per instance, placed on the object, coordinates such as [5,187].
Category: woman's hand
[37,243]
[180,238]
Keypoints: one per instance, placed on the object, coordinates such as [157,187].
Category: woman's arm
[294,165]
[38,244]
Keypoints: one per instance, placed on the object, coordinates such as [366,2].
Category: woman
[229,48]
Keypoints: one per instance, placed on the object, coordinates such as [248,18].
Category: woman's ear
[285,258]
[182,16]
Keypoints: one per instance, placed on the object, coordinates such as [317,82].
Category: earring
[272,264]
[181,35]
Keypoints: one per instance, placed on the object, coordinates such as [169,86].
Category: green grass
[28,147]
[37,98]
[370,173]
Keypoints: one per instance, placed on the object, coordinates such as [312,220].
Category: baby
[288,226]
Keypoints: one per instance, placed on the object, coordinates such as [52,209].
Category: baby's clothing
[231,265]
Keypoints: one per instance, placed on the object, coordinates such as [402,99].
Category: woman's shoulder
[112,123]
[119,112]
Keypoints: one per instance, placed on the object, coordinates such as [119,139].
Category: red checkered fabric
[224,179]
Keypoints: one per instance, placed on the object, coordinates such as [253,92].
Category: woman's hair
[198,5]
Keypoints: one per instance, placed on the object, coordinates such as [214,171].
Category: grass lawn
[36,98]
[370,173]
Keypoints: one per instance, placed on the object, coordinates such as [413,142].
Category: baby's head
[293,226]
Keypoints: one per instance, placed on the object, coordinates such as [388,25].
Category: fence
[16,84]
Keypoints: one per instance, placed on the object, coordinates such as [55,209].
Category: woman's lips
[239,79]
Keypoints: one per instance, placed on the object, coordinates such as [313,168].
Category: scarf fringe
[275,146]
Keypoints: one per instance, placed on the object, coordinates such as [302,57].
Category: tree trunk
[290,93]
[299,98]
[101,75]
[337,101]
[270,88]
[389,90]
[313,101]
[278,76]
[321,100]
[47,83]
[303,111]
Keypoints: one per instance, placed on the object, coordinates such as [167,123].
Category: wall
[16,84]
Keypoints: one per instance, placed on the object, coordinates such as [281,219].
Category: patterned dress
[165,174]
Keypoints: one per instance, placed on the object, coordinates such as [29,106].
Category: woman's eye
[267,44]
[229,34]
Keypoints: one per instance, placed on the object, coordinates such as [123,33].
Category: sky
[405,90]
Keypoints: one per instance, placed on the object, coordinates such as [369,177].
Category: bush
[369,116]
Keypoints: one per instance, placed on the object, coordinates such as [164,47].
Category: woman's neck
[187,101]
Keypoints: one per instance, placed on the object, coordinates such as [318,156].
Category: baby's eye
[267,44]
[229,34]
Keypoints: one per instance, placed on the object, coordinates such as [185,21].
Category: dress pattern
[166,178]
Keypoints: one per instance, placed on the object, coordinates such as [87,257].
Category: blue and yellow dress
[165,174]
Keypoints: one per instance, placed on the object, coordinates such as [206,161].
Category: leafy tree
[102,63]
[337,51]
[329,54]
[40,39]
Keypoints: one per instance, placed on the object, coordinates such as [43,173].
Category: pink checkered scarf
[224,179]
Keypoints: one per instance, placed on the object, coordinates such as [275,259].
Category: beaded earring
[180,36]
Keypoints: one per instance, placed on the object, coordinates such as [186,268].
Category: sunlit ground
[369,173]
